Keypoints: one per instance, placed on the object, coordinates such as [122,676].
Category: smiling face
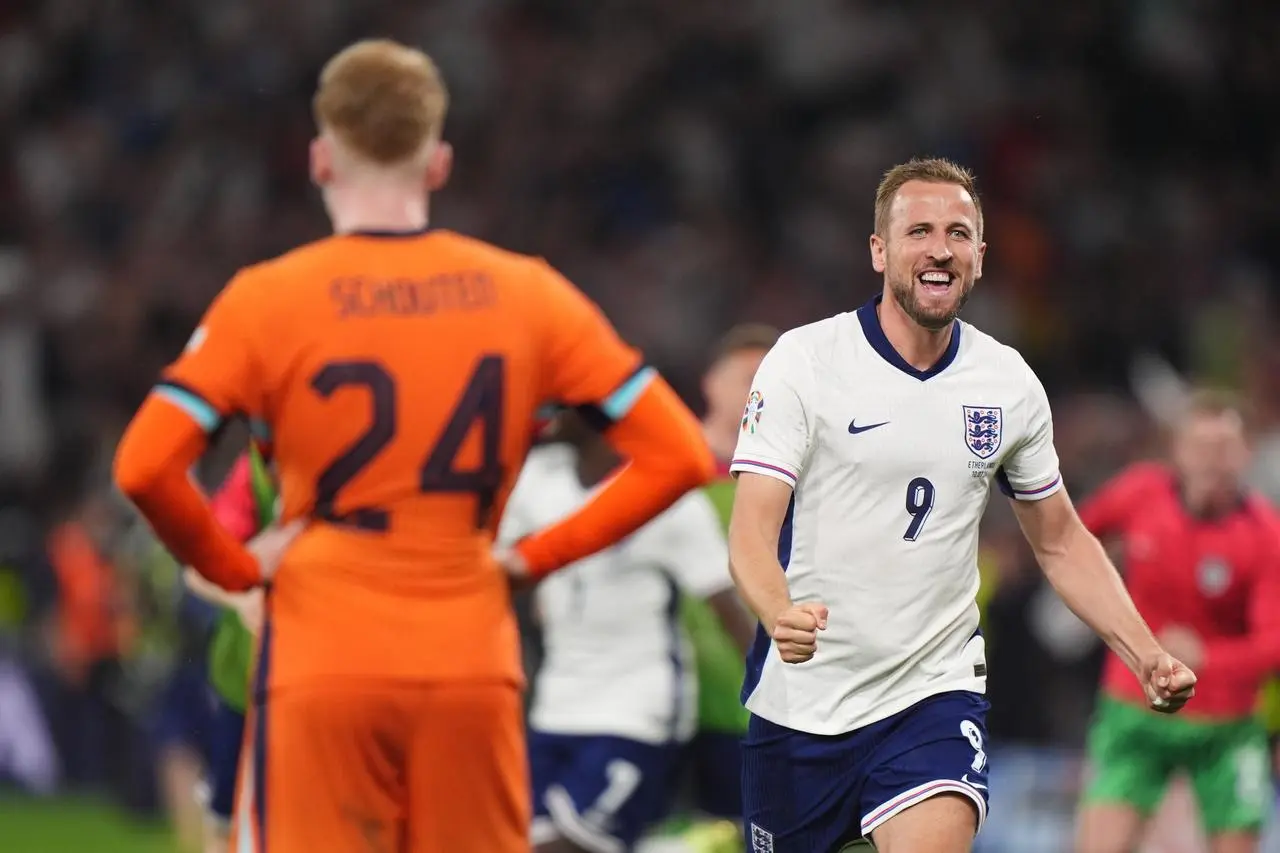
[930,250]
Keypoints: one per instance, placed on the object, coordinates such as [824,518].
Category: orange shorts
[379,767]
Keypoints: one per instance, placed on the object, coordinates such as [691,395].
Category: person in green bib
[715,759]
[245,505]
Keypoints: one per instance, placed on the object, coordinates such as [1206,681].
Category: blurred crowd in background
[690,164]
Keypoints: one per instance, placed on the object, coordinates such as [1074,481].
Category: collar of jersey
[870,320]
[390,233]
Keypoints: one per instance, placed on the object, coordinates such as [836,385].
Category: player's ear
[321,162]
[439,166]
[977,267]
[878,257]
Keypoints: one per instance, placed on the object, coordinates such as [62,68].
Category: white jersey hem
[886,709]
[638,733]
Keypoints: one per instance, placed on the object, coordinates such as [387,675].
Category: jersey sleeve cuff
[769,468]
[1035,490]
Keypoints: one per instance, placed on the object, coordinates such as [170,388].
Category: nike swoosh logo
[854,429]
[965,779]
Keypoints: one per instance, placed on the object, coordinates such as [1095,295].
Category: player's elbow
[139,471]
[133,475]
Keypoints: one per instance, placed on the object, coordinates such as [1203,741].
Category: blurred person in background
[90,630]
[615,701]
[1202,562]
[719,635]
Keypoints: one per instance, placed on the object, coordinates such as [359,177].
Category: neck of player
[919,347]
[375,207]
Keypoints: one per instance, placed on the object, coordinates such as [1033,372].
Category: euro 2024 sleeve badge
[751,414]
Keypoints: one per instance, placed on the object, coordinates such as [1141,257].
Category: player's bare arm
[1077,566]
[759,508]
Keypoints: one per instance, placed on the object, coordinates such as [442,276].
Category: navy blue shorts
[599,792]
[715,765]
[226,734]
[806,793]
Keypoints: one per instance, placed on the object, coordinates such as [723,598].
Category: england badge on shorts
[761,840]
[751,414]
[982,429]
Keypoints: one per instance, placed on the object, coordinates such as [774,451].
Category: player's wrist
[530,558]
[772,612]
[1140,655]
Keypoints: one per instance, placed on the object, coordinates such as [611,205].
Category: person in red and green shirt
[1202,563]
[245,505]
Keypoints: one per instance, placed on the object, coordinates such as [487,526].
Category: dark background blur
[690,164]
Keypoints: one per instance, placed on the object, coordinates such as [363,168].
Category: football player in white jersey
[615,700]
[867,452]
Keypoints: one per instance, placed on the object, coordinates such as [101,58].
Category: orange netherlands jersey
[396,377]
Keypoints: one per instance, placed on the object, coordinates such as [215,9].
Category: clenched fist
[795,631]
[1168,683]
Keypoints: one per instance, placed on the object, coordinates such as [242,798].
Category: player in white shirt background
[615,699]
[868,448]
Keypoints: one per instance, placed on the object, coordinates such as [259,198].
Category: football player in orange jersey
[394,371]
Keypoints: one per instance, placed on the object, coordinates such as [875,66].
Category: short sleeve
[587,362]
[697,554]
[1030,472]
[218,374]
[776,427]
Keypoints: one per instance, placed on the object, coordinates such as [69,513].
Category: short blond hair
[932,170]
[383,100]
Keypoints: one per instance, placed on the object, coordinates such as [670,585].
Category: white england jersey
[891,469]
[616,660]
